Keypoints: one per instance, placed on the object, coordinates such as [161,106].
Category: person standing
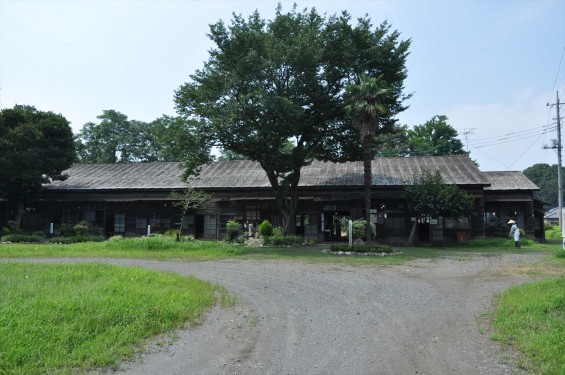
[515,232]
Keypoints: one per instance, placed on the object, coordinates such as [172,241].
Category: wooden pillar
[478,219]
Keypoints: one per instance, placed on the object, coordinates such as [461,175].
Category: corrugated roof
[248,174]
[509,180]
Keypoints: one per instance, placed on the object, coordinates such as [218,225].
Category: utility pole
[559,172]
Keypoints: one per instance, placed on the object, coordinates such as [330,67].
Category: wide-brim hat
[511,222]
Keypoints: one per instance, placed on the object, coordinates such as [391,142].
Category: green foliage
[531,318]
[268,82]
[553,233]
[434,138]
[359,227]
[35,148]
[372,248]
[286,241]
[74,239]
[82,317]
[427,194]
[494,227]
[81,229]
[22,238]
[266,229]
[232,230]
[10,228]
[545,177]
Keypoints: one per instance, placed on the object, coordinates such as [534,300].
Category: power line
[512,138]
[557,74]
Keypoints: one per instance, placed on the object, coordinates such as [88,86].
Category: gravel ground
[424,317]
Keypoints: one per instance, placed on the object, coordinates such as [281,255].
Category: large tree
[270,82]
[363,102]
[434,138]
[427,194]
[115,139]
[545,177]
[35,148]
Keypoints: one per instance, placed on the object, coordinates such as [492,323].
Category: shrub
[494,227]
[277,231]
[266,229]
[74,239]
[80,229]
[548,226]
[359,229]
[373,248]
[283,241]
[10,228]
[21,237]
[232,230]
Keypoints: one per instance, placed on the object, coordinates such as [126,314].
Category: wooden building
[126,198]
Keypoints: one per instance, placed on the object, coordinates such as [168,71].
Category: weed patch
[531,317]
[64,318]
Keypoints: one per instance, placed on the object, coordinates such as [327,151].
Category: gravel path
[425,317]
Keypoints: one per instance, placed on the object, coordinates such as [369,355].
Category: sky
[492,67]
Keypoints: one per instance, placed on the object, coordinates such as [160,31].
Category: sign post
[350,233]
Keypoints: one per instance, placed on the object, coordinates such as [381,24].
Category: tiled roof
[248,174]
[509,181]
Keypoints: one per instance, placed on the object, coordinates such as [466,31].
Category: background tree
[178,140]
[363,104]
[434,138]
[393,142]
[545,177]
[35,148]
[426,194]
[270,82]
[189,199]
[116,139]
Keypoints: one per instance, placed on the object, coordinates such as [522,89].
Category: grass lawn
[531,318]
[69,318]
[59,318]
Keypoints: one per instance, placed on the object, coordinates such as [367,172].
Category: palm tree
[363,105]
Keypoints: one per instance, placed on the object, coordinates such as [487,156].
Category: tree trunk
[367,179]
[19,214]
[286,198]
[412,239]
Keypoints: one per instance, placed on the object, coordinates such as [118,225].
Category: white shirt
[516,232]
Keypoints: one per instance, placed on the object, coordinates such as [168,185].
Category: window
[210,224]
[89,216]
[119,223]
[160,220]
[252,213]
[140,222]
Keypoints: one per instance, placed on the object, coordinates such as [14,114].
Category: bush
[21,237]
[376,248]
[266,229]
[359,229]
[284,241]
[494,227]
[10,228]
[74,239]
[277,231]
[548,226]
[232,230]
[80,229]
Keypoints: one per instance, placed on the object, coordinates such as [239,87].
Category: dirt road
[425,317]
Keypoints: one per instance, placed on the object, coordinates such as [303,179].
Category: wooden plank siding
[241,192]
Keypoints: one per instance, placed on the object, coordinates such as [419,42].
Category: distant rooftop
[509,180]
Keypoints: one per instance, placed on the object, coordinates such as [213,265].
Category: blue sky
[490,66]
